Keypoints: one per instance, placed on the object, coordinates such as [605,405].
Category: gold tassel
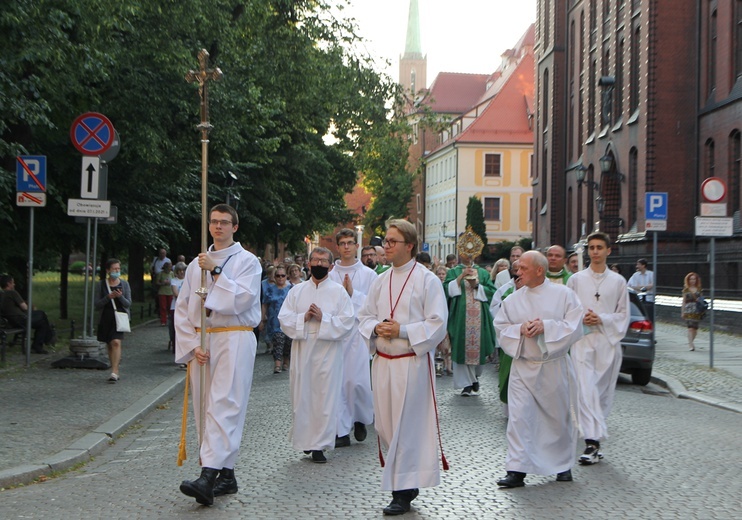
[184,420]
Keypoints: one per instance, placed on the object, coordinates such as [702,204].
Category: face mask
[319,271]
[114,274]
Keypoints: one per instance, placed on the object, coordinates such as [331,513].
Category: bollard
[72,329]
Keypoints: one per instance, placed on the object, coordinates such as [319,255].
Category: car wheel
[641,376]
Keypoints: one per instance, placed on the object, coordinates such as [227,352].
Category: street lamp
[230,184]
[440,240]
[359,232]
[580,174]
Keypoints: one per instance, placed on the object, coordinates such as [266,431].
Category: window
[711,64]
[633,185]
[593,22]
[492,208]
[592,85]
[618,95]
[635,5]
[735,159]
[545,110]
[634,72]
[492,165]
[738,38]
[547,21]
[710,159]
[530,209]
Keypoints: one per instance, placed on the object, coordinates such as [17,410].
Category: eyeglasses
[390,242]
[279,275]
[346,244]
[319,261]
[368,255]
[223,223]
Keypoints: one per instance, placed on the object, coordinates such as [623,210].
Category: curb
[678,390]
[93,443]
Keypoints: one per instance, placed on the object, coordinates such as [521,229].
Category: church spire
[413,64]
[413,49]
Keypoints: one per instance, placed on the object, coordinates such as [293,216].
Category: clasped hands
[533,328]
[313,312]
[470,271]
[591,318]
[388,329]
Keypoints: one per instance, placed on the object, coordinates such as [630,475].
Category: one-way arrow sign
[90,178]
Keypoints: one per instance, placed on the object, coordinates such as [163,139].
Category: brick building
[637,96]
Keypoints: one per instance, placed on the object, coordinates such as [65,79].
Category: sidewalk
[53,419]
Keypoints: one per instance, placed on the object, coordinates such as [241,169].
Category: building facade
[637,96]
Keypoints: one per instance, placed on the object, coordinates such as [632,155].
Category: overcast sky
[457,35]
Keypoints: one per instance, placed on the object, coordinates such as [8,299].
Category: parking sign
[655,206]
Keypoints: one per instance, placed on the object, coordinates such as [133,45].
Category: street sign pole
[85,274]
[92,275]
[654,284]
[29,317]
[711,307]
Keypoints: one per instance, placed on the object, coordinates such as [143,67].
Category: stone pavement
[54,419]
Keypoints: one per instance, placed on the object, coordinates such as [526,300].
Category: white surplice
[597,356]
[316,371]
[542,390]
[357,399]
[404,388]
[234,300]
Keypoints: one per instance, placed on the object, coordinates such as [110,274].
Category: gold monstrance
[470,245]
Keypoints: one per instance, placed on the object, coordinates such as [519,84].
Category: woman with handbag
[693,307]
[114,299]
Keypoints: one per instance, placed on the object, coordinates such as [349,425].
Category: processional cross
[202,76]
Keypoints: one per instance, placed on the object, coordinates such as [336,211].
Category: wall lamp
[581,174]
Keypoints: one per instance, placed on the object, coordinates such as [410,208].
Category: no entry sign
[92,133]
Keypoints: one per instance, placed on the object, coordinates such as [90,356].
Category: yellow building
[487,153]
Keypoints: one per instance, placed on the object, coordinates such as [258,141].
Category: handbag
[122,318]
[701,305]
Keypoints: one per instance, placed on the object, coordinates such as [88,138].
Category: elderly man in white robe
[357,409]
[597,356]
[536,326]
[404,320]
[318,316]
[233,310]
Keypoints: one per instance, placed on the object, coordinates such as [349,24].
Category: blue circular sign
[92,133]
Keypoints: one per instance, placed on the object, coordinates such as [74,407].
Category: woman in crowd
[273,297]
[295,275]
[114,294]
[690,310]
[165,291]
[501,265]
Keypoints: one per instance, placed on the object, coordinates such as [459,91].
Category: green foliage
[292,76]
[475,218]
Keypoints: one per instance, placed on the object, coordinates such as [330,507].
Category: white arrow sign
[90,177]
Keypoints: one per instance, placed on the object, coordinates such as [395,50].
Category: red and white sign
[713,189]
[30,200]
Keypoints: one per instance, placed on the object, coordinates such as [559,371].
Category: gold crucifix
[202,76]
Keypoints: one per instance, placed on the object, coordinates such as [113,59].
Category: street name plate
[89,208]
[714,226]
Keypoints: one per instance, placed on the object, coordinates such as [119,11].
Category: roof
[455,93]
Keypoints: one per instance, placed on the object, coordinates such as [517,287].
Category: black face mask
[319,271]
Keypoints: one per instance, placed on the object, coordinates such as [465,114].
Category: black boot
[202,489]
[226,483]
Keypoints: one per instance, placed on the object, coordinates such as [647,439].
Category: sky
[457,35]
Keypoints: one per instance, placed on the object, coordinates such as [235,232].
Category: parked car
[638,343]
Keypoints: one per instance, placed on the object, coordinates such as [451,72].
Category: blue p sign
[655,206]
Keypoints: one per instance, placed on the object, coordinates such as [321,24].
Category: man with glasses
[369,257]
[318,316]
[232,306]
[357,408]
[403,321]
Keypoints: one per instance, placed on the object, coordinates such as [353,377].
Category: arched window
[633,186]
[737,37]
[618,88]
[735,168]
[709,159]
[545,104]
[634,71]
[711,56]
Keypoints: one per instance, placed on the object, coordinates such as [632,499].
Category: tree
[475,218]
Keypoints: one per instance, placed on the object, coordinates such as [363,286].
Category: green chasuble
[457,316]
[561,277]
[380,268]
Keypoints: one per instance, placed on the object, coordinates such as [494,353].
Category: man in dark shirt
[14,309]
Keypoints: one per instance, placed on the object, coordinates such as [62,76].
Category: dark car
[638,344]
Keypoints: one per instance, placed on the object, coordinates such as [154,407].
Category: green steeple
[413,48]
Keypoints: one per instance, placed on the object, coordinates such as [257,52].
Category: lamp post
[440,240]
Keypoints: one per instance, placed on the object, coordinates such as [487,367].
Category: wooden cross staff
[202,76]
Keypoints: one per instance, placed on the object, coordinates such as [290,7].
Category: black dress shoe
[342,442]
[564,476]
[226,483]
[399,505]
[202,489]
[307,452]
[359,431]
[512,480]
[318,456]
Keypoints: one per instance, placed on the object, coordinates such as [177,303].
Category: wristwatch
[217,270]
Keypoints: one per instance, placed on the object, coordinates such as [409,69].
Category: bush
[77,267]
